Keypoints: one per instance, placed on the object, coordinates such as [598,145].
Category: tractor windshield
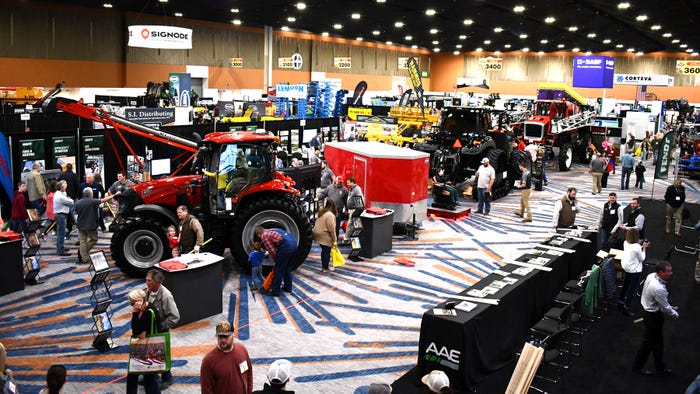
[534,131]
[466,120]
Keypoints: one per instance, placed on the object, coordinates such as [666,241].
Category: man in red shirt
[19,209]
[227,368]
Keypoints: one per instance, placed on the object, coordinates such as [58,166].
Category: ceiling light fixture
[544,41]
[455,53]
[675,41]
[683,45]
[576,49]
[435,42]
[487,42]
[468,22]
[337,26]
[560,46]
[591,35]
[573,28]
[414,46]
[540,52]
[656,27]
[430,12]
[285,28]
[458,46]
[398,24]
[436,49]
[523,36]
[526,49]
[641,18]
[507,46]
[630,49]
[355,16]
[619,46]
[497,29]
[694,54]
[291,19]
[360,39]
[235,10]
[178,14]
[689,50]
[463,37]
[479,49]
[107,5]
[433,31]
[518,9]
[607,41]
[497,52]
[325,34]
[623,6]
[640,53]
[236,22]
[301,6]
[381,1]
[549,19]
[389,43]
[587,53]
[376,32]
[408,38]
[667,35]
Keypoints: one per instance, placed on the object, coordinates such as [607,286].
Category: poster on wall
[64,151]
[180,88]
[93,159]
[133,166]
[31,151]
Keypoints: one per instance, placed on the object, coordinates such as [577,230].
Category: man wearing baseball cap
[339,194]
[278,375]
[485,176]
[226,368]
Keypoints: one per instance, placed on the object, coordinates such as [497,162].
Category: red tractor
[234,188]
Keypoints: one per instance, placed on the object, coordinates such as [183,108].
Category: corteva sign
[160,37]
[644,79]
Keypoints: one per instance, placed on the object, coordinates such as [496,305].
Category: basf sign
[593,71]
[160,37]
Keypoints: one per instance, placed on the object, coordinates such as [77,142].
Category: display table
[471,345]
[11,269]
[376,234]
[197,289]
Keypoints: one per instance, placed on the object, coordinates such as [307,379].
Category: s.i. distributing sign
[160,37]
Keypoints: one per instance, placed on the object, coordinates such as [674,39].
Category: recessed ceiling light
[523,36]
[573,28]
[458,46]
[549,19]
[683,45]
[656,27]
[389,43]
[381,1]
[414,46]
[430,12]
[107,5]
[355,16]
[506,46]
[675,41]
[545,41]
[359,38]
[630,49]
[479,49]
[497,29]
[560,46]
[337,26]
[640,53]
[163,1]
[178,14]
[667,35]
[398,24]
[436,49]
[435,42]
[497,52]
[623,6]
[619,46]
[641,18]
[325,34]
[463,37]
[591,35]
[576,49]
[540,52]
[587,53]
[518,8]
[487,42]
[291,19]
[606,41]
[468,22]
[455,53]
[235,10]
[526,49]
[285,28]
[236,21]
[694,54]
[689,50]
[376,32]
[433,31]
[301,6]
[408,38]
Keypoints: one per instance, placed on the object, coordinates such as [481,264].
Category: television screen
[160,167]
[99,261]
[102,322]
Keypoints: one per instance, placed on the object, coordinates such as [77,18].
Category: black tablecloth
[471,345]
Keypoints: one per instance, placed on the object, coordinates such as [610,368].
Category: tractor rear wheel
[138,243]
[272,211]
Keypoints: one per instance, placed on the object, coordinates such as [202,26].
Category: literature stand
[32,243]
[101,302]
[357,229]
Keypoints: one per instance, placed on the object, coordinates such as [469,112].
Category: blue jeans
[37,204]
[283,264]
[481,193]
[325,256]
[625,180]
[19,226]
[604,238]
[629,288]
[150,383]
[256,276]
[61,220]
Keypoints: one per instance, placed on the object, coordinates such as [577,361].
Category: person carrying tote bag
[324,233]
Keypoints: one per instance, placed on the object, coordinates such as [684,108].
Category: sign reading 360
[688,67]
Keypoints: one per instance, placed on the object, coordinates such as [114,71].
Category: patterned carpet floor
[342,331]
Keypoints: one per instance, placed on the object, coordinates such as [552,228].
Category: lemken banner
[160,37]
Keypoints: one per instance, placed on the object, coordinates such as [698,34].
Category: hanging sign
[297,91]
[403,63]
[160,37]
[643,79]
[235,62]
[92,144]
[594,71]
[63,146]
[31,150]
[294,62]
[342,62]
[491,63]
[688,67]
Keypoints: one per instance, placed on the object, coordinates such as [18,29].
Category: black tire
[499,161]
[518,157]
[138,243]
[271,211]
[566,157]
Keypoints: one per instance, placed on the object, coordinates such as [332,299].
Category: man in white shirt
[655,304]
[485,176]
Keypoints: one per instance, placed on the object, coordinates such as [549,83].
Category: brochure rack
[101,302]
[33,244]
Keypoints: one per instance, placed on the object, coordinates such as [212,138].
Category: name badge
[678,198]
[612,211]
[243,367]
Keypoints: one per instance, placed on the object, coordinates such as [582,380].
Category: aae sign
[593,71]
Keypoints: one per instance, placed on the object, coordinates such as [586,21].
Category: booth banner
[160,37]
[491,63]
[664,161]
[63,146]
[31,150]
[644,79]
[688,67]
[180,86]
[154,117]
[297,91]
[235,62]
[354,111]
[342,62]
[594,72]
[5,166]
[403,63]
[93,143]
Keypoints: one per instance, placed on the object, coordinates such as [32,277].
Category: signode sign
[594,71]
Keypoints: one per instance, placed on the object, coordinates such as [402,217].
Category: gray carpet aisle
[342,331]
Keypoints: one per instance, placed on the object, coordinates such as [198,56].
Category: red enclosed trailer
[390,177]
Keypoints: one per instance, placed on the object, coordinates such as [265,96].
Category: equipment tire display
[138,243]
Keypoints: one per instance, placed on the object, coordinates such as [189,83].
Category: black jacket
[675,196]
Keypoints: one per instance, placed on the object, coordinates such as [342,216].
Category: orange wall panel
[138,75]
[44,72]
[235,78]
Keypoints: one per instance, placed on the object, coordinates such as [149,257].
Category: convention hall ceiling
[639,26]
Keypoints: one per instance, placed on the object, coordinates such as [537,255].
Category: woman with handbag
[324,233]
[144,321]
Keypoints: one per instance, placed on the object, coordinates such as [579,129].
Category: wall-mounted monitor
[160,167]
